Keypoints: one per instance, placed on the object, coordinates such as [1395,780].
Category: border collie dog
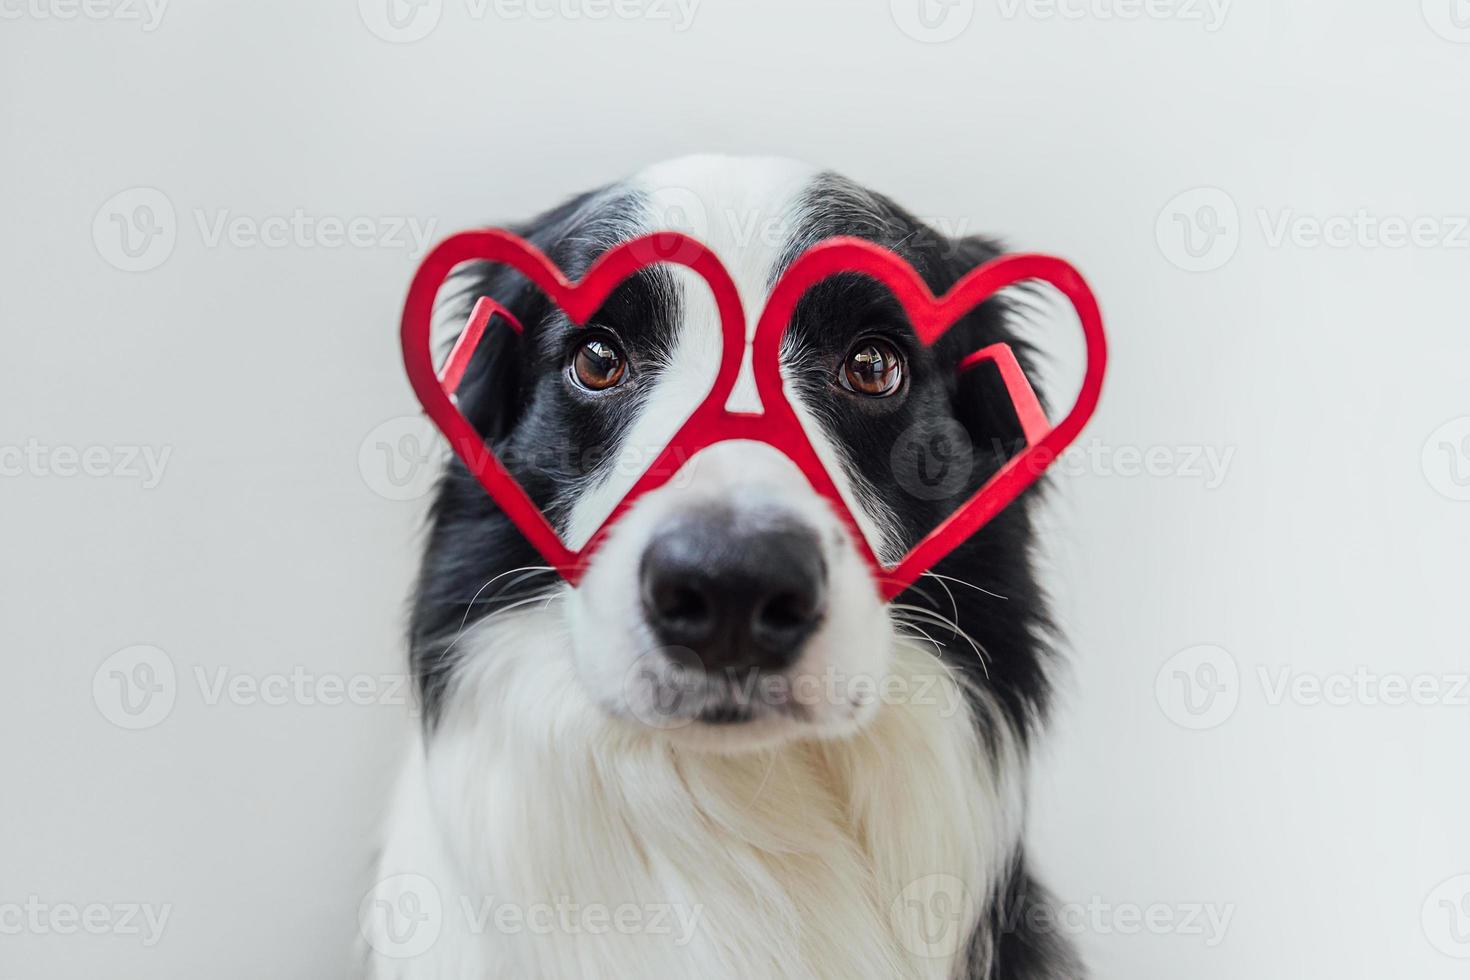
[721,754]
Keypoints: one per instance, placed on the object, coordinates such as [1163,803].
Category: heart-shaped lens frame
[776,424]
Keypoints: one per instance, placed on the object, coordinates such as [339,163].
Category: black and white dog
[721,755]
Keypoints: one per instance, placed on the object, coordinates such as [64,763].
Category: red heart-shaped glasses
[776,424]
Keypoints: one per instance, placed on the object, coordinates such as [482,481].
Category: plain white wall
[1331,383]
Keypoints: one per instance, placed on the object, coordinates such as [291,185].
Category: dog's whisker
[517,604]
[531,570]
[956,632]
[912,587]
[481,590]
[921,634]
[954,605]
[972,585]
[501,593]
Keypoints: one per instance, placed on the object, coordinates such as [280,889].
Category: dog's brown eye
[873,368]
[599,365]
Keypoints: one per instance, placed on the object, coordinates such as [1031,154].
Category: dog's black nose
[737,589]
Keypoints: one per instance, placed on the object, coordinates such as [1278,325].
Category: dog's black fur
[512,394]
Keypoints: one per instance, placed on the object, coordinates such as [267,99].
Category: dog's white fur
[845,859]
[862,845]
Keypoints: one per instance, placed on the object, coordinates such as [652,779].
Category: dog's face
[730,607]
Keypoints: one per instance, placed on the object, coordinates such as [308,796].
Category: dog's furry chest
[562,844]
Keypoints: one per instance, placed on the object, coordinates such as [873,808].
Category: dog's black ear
[980,400]
[491,393]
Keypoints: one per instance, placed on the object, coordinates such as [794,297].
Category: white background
[1335,538]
